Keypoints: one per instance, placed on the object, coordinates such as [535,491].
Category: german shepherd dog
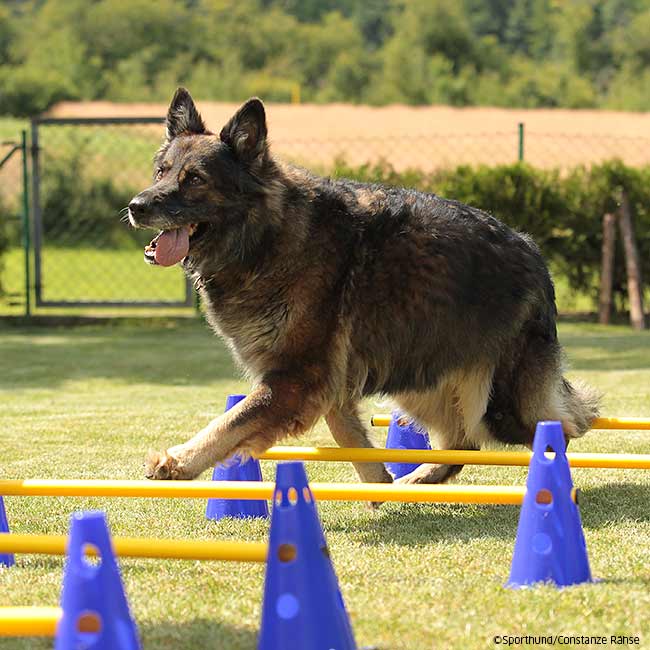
[327,291]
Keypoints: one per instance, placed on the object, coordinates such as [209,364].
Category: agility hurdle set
[549,545]
[303,607]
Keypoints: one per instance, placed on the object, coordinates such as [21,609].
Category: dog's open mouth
[169,247]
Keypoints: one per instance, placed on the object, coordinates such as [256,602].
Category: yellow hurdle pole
[37,621]
[178,549]
[641,424]
[29,621]
[449,457]
[487,494]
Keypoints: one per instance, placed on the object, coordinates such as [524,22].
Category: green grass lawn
[89,402]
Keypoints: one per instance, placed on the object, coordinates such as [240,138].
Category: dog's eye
[195,179]
[159,173]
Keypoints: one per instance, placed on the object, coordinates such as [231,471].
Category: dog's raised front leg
[348,431]
[277,407]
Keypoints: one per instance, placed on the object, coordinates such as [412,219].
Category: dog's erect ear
[245,132]
[182,116]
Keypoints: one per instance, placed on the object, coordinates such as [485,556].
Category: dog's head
[204,184]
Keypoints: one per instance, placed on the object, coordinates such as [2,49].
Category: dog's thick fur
[327,291]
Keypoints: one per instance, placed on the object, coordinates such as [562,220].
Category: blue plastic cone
[236,469]
[550,544]
[96,614]
[409,436]
[6,559]
[303,607]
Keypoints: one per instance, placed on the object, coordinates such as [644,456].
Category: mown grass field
[89,402]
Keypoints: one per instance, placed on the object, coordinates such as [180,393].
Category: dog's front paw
[162,466]
[409,479]
[429,473]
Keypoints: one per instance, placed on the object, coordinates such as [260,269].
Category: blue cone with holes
[404,436]
[96,614]
[303,607]
[550,544]
[236,469]
[6,559]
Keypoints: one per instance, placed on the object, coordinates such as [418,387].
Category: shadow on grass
[40,562]
[182,353]
[172,354]
[636,580]
[193,634]
[615,503]
[417,524]
[27,643]
[197,634]
[414,524]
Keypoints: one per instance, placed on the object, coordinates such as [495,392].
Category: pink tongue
[172,246]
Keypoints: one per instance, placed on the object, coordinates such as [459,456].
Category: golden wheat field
[425,137]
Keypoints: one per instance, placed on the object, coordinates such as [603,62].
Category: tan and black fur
[327,291]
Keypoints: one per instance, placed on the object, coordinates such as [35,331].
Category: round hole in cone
[287,552]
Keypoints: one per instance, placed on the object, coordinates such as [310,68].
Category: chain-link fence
[84,174]
[84,171]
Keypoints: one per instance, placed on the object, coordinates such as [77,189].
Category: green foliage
[525,53]
[26,92]
[563,212]
[7,33]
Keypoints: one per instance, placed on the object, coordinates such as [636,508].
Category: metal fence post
[521,142]
[25,220]
[36,205]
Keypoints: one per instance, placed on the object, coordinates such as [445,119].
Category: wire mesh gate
[14,227]
[85,170]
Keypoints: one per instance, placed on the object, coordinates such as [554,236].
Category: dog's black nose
[137,206]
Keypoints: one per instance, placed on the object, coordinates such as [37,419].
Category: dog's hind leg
[348,431]
[531,388]
[454,412]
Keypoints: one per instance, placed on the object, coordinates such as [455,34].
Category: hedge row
[562,210]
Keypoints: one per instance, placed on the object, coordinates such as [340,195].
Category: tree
[504,52]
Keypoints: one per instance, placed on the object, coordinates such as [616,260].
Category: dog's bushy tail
[582,403]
